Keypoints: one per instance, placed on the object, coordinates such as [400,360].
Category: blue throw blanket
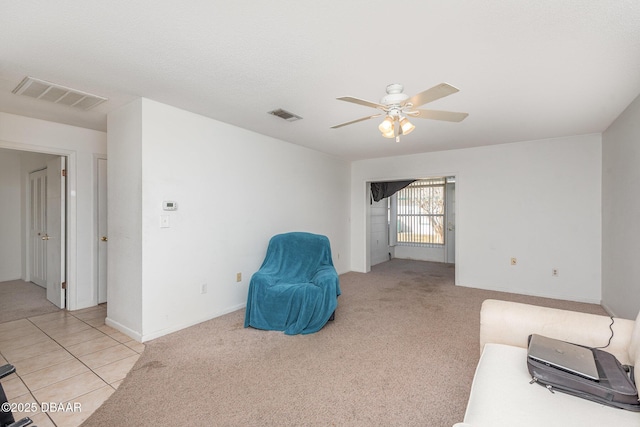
[296,288]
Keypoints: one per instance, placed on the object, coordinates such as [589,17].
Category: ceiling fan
[396,105]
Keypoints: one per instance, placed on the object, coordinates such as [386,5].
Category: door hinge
[64,172]
[64,285]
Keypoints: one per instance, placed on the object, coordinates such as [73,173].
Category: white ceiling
[526,70]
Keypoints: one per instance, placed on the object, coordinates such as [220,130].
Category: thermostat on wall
[169,206]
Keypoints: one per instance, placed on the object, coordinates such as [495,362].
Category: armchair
[296,288]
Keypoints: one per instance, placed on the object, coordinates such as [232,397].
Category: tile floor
[68,357]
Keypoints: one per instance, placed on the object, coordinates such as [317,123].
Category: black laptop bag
[616,386]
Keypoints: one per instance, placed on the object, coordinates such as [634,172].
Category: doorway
[81,225]
[416,222]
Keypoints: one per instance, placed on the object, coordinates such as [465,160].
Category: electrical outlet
[514,261]
[203,288]
[554,271]
[238,277]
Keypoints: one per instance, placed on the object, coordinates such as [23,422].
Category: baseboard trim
[120,327]
[162,332]
[538,294]
[608,309]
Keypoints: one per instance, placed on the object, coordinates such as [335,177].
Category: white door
[37,227]
[56,231]
[102,231]
[450,233]
[379,235]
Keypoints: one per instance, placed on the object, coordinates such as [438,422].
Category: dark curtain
[380,190]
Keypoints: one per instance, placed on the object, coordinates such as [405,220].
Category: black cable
[611,337]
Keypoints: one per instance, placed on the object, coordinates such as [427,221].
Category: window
[420,213]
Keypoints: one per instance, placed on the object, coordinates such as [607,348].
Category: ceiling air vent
[290,117]
[57,94]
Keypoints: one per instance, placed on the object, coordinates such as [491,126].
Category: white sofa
[501,394]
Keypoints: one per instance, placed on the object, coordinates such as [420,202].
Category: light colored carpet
[401,352]
[20,299]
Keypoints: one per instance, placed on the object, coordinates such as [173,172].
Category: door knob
[45,237]
[104,238]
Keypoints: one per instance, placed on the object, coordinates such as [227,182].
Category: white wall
[538,201]
[124,218]
[80,146]
[621,214]
[420,253]
[234,189]
[10,216]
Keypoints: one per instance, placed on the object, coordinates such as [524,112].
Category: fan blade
[362,102]
[355,121]
[429,95]
[448,116]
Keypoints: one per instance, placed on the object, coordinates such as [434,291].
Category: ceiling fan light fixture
[390,133]
[406,126]
[396,106]
[387,125]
